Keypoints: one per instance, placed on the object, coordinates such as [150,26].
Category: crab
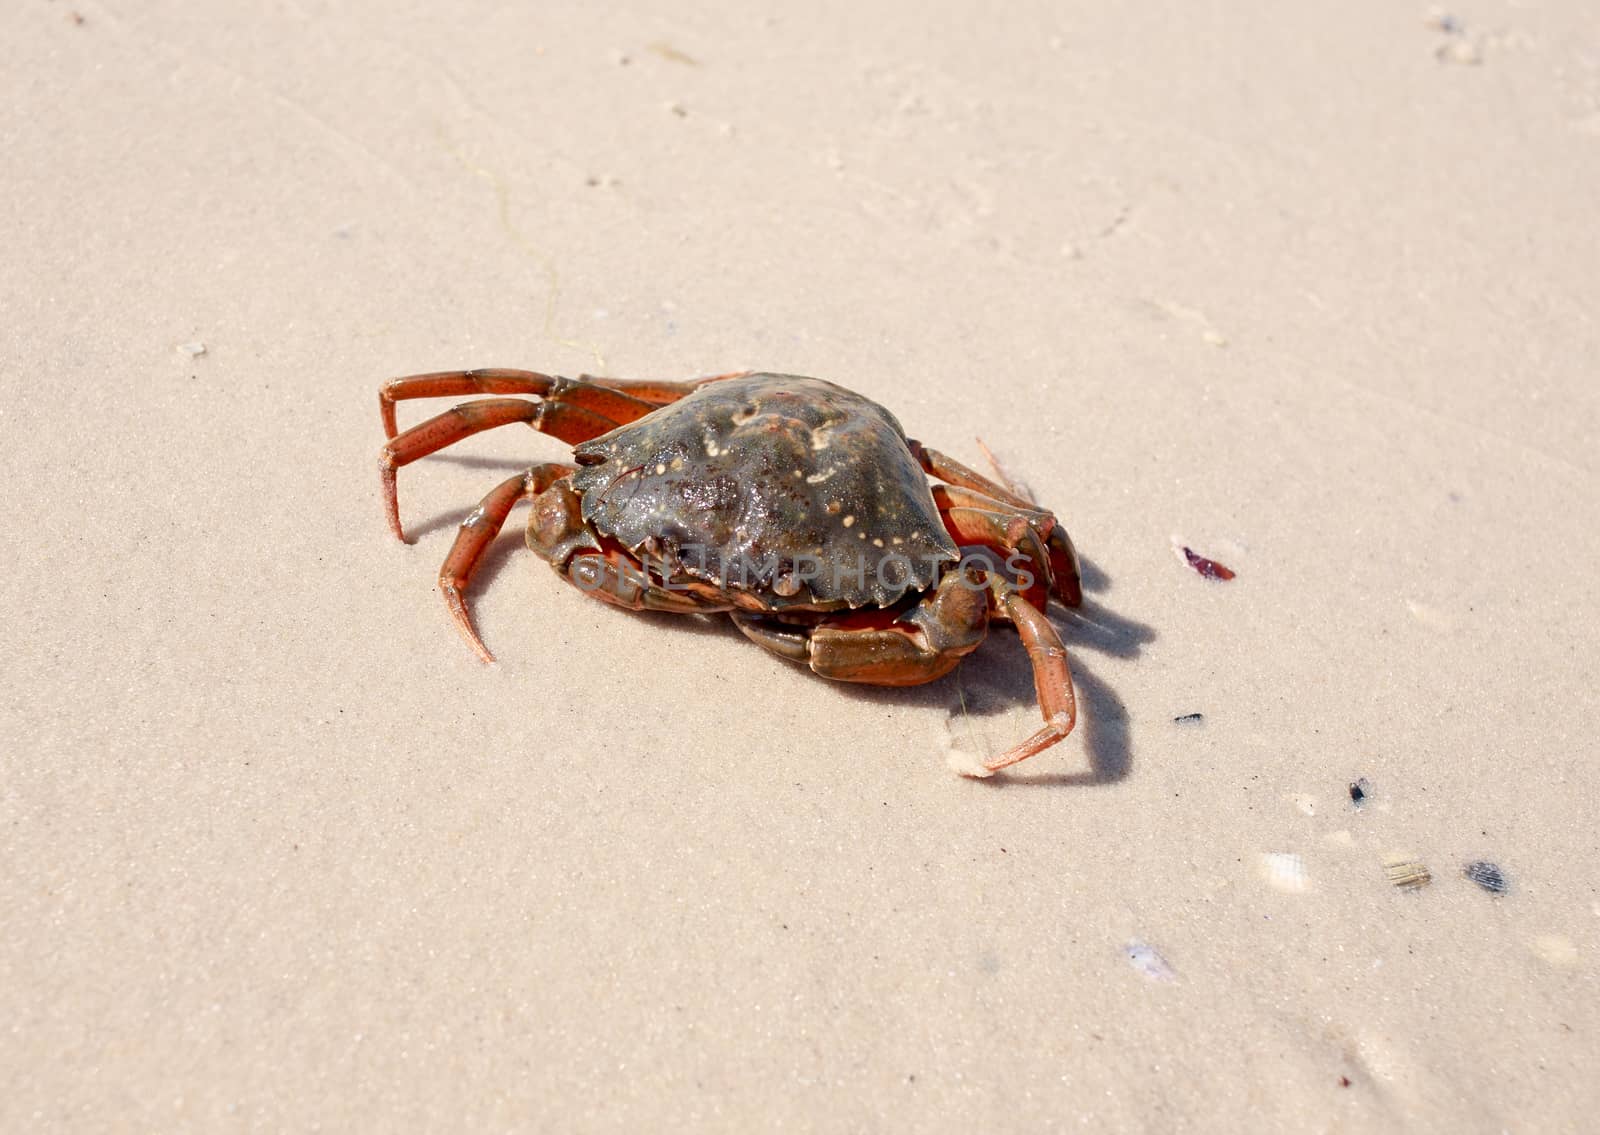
[799,508]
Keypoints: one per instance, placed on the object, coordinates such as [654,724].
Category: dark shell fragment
[1487,875]
[791,488]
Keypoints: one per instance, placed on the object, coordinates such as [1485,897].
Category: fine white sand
[1310,288]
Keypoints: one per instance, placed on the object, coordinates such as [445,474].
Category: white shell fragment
[1147,960]
[193,350]
[1285,871]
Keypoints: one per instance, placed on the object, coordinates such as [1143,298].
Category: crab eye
[589,458]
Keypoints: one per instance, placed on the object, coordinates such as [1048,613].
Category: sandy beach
[1307,290]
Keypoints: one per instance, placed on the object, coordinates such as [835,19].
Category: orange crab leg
[454,383]
[1052,678]
[972,498]
[477,532]
[617,405]
[621,581]
[1008,534]
[1064,569]
[622,399]
[949,469]
[571,423]
[659,392]
[1067,583]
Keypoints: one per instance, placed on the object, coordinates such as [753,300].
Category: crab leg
[622,581]
[560,536]
[946,494]
[1008,533]
[929,641]
[1067,584]
[660,393]
[615,404]
[878,649]
[477,532]
[621,399]
[1052,678]
[567,421]
[949,469]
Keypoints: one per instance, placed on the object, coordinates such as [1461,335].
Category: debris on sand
[1208,568]
[1406,873]
[1148,960]
[1487,875]
[1285,871]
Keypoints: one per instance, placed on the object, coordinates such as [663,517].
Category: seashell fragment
[1487,875]
[1406,873]
[1285,871]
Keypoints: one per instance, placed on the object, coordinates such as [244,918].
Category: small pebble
[1359,788]
[1487,875]
[193,350]
[1190,719]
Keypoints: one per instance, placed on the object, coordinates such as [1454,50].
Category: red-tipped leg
[477,532]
